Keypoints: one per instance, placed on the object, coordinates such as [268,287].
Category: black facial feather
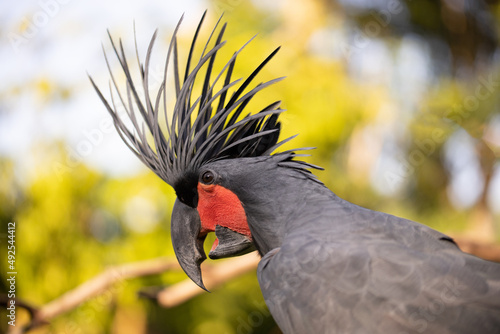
[185,189]
[206,129]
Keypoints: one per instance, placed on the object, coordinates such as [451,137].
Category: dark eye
[207,178]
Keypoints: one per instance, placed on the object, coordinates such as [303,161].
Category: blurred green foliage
[74,222]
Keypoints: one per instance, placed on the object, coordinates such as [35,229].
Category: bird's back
[353,270]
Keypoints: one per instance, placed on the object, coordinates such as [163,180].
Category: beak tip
[197,279]
[201,285]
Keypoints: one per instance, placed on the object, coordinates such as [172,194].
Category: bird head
[208,151]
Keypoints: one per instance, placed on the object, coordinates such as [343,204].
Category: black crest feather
[210,128]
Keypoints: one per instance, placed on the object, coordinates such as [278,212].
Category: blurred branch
[213,277]
[5,300]
[102,282]
[487,251]
[95,287]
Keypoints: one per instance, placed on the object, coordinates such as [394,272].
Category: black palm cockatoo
[328,266]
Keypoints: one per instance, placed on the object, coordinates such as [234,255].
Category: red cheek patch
[220,206]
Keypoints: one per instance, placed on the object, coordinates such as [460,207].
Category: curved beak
[187,242]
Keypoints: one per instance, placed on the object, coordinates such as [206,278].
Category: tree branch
[487,251]
[94,287]
[213,277]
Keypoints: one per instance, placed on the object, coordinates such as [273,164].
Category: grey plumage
[328,266]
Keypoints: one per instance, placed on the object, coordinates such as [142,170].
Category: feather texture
[206,128]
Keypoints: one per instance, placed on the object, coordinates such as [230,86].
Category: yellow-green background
[75,218]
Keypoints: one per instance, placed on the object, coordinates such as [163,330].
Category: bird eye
[207,177]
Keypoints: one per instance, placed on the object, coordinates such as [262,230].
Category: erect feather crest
[208,129]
